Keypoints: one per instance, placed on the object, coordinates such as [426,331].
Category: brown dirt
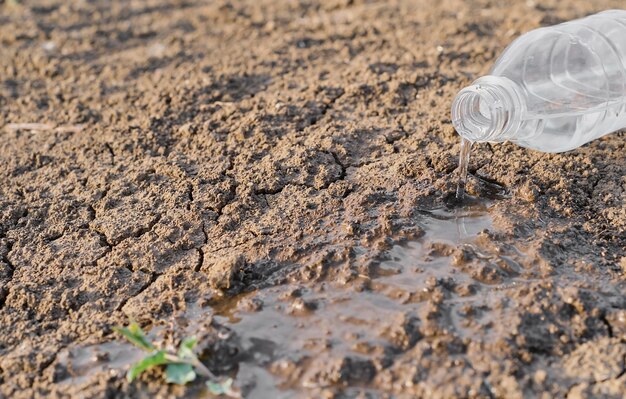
[249,157]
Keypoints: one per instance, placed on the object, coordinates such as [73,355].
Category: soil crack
[344,173]
[5,258]
[326,107]
[201,250]
[153,278]
[111,152]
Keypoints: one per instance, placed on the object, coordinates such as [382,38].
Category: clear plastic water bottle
[553,89]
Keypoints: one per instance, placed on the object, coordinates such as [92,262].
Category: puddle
[81,363]
[311,336]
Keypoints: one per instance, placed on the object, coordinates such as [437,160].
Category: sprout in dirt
[180,368]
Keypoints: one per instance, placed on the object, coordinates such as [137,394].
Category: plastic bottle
[553,89]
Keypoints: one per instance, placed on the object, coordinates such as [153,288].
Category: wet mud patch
[328,336]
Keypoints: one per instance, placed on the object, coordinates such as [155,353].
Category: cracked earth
[275,156]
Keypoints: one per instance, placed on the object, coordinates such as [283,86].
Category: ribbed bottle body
[571,82]
[573,76]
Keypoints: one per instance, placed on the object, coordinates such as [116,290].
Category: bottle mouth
[484,110]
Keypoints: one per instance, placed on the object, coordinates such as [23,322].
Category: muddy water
[83,362]
[291,339]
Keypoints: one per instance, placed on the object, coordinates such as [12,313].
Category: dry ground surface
[210,154]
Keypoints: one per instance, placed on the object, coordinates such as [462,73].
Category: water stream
[464,157]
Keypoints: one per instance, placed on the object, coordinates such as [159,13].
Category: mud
[277,178]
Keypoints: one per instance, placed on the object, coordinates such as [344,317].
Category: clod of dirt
[345,370]
[597,361]
[301,307]
[223,272]
[404,332]
[251,305]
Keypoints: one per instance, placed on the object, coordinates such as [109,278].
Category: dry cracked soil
[274,177]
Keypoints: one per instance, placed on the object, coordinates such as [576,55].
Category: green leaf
[179,373]
[136,336]
[185,350]
[155,359]
[222,387]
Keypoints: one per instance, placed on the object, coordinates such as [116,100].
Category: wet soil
[277,178]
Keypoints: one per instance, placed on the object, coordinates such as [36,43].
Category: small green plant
[180,368]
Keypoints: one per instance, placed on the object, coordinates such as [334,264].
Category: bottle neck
[488,110]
